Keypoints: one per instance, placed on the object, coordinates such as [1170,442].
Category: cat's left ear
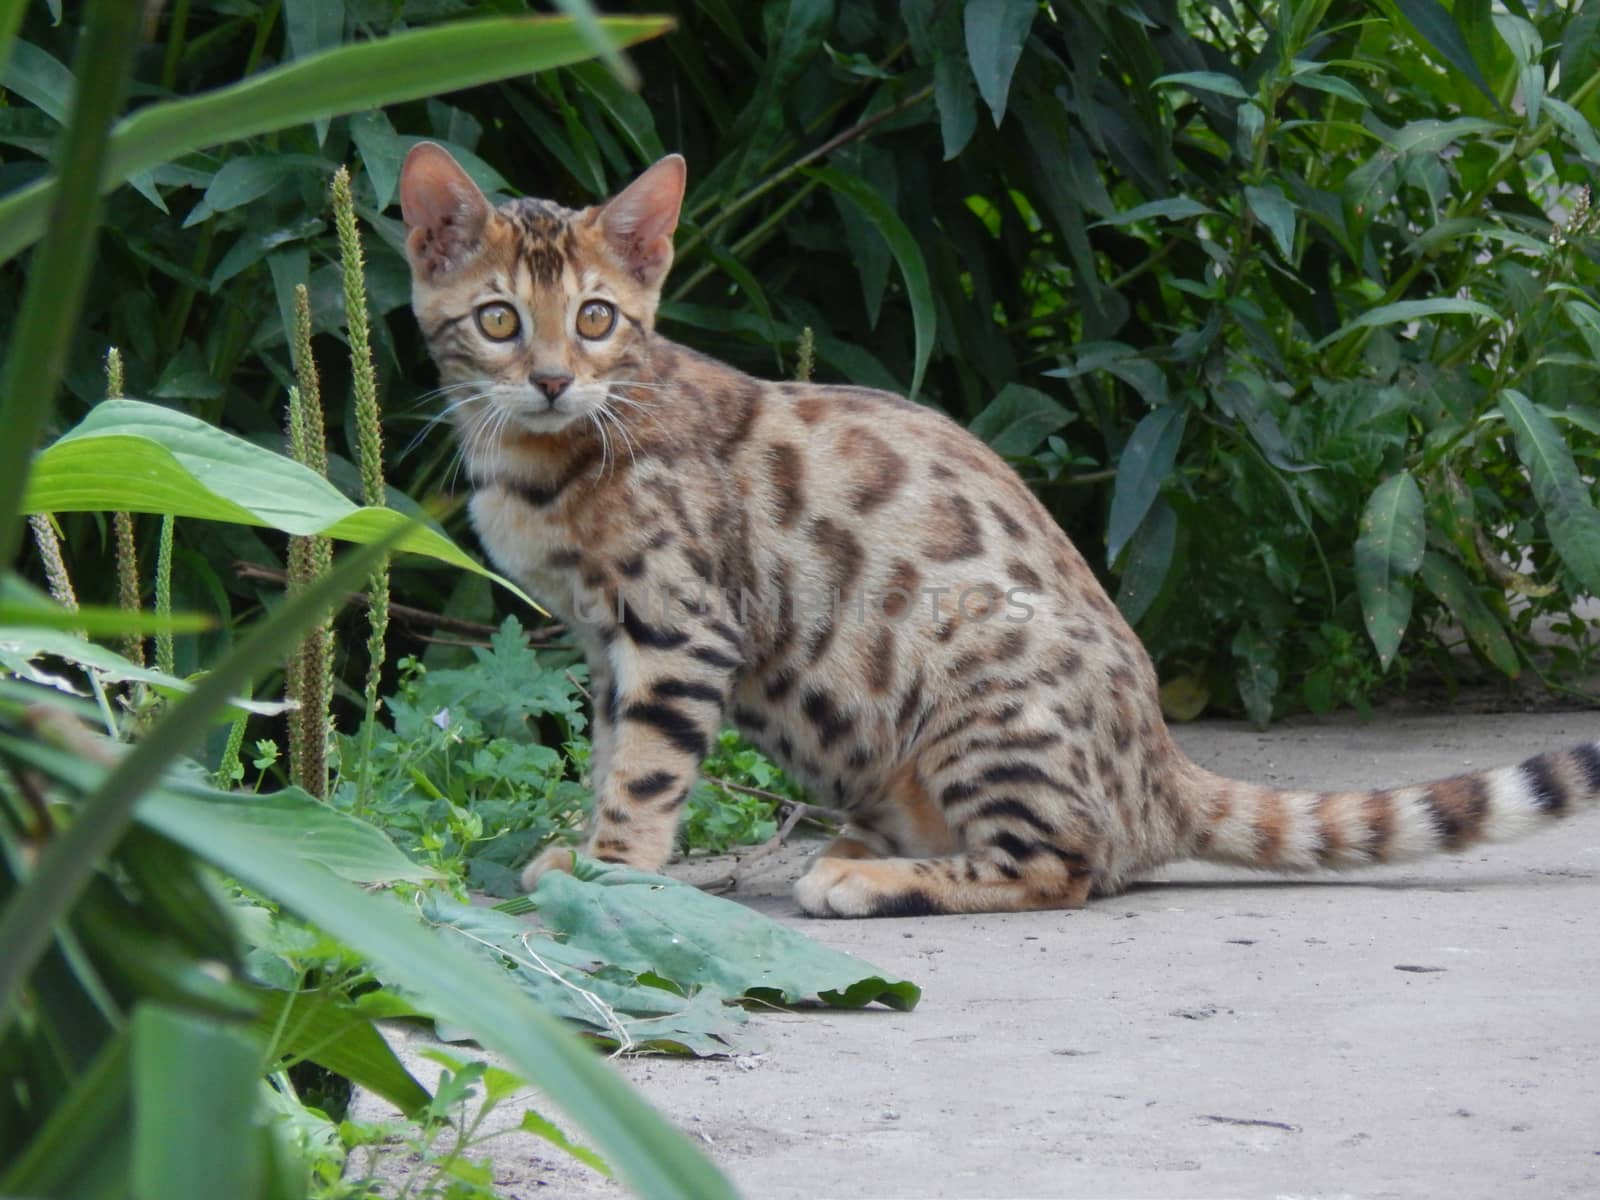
[638,221]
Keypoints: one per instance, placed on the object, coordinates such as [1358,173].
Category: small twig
[1287,1128]
[583,691]
[419,616]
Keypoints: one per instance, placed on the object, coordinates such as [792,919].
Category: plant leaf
[1438,29]
[1274,211]
[137,457]
[1174,208]
[408,65]
[321,1026]
[292,821]
[1563,497]
[651,923]
[1148,562]
[453,985]
[194,1102]
[1430,136]
[608,1002]
[20,645]
[907,253]
[1205,81]
[996,32]
[1388,553]
[1018,419]
[1404,311]
[1146,462]
[1455,591]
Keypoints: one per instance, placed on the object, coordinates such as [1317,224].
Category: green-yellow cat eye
[596,318]
[499,322]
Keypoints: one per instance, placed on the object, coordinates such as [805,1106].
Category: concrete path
[1425,1031]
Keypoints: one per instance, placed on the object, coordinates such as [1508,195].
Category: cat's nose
[551,383]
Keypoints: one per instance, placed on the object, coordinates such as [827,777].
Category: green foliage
[1260,263]
[132,1036]
[463,779]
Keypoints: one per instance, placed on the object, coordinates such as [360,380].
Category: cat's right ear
[444,211]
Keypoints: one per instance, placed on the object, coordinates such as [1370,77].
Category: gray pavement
[1427,1030]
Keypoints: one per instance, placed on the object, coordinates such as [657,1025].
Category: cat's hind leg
[974,881]
[900,858]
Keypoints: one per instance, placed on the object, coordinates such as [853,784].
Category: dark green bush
[1287,310]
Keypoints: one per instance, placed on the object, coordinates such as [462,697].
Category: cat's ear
[639,220]
[444,211]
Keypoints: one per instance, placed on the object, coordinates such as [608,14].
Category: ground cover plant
[134,1034]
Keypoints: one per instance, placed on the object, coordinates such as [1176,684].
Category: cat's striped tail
[1282,830]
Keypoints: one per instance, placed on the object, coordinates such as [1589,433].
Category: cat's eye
[596,318]
[499,322]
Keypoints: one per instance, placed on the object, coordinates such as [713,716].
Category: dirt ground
[1423,1031]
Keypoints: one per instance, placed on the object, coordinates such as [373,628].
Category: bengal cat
[859,585]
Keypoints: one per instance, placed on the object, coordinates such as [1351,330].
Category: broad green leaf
[907,253]
[1018,419]
[39,78]
[1146,462]
[1455,591]
[1205,81]
[1405,311]
[194,1108]
[651,923]
[996,32]
[137,457]
[1563,496]
[1311,75]
[1429,136]
[322,1026]
[292,821]
[1438,29]
[1576,126]
[1586,319]
[1148,562]
[1255,673]
[241,180]
[1274,211]
[1388,553]
[607,1001]
[408,65]
[1175,208]
[451,984]
[22,645]
[935,33]
[382,152]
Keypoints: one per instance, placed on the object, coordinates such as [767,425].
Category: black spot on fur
[641,633]
[647,787]
[681,730]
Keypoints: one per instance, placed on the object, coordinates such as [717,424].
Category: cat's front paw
[556,858]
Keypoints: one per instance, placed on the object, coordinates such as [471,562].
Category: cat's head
[535,314]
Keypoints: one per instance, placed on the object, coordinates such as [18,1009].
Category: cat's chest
[521,539]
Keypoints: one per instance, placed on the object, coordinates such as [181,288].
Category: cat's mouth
[538,414]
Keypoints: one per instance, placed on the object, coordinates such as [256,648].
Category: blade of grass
[37,352]
[28,921]
[404,66]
